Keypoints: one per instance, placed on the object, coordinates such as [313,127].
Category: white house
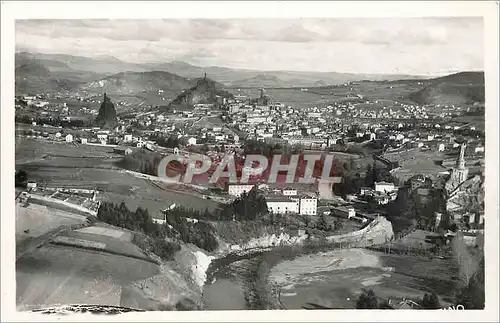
[344,212]
[289,192]
[192,141]
[384,187]
[159,219]
[238,189]
[441,147]
[127,138]
[69,138]
[102,136]
[84,141]
[58,135]
[365,191]
[31,184]
[479,149]
[308,206]
[282,205]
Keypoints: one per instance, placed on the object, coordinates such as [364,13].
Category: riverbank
[269,250]
[336,278]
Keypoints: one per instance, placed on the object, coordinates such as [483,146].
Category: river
[227,289]
[332,279]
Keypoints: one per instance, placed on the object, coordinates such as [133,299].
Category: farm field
[416,239]
[36,149]
[372,91]
[417,162]
[35,220]
[108,243]
[54,275]
[107,231]
[95,171]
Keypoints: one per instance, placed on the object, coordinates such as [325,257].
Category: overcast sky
[358,45]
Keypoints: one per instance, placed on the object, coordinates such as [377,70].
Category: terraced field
[54,275]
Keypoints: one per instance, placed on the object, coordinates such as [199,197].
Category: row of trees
[140,221]
[142,161]
[199,233]
[249,206]
[352,179]
[196,231]
[270,149]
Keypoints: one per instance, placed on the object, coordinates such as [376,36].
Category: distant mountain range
[84,69]
[38,73]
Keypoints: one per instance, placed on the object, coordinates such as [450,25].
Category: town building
[127,138]
[343,212]
[122,150]
[192,141]
[308,205]
[289,192]
[31,185]
[384,187]
[239,189]
[282,205]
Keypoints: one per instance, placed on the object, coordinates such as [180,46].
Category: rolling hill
[463,88]
[261,80]
[102,65]
[167,84]
[33,77]
[232,77]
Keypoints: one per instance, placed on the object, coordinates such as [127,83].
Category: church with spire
[459,173]
[464,194]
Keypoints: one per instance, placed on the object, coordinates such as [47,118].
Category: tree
[307,220]
[338,224]
[473,295]
[467,265]
[322,224]
[367,300]
[370,175]
[21,178]
[431,301]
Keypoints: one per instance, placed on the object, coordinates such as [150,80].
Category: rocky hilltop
[107,114]
[205,91]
